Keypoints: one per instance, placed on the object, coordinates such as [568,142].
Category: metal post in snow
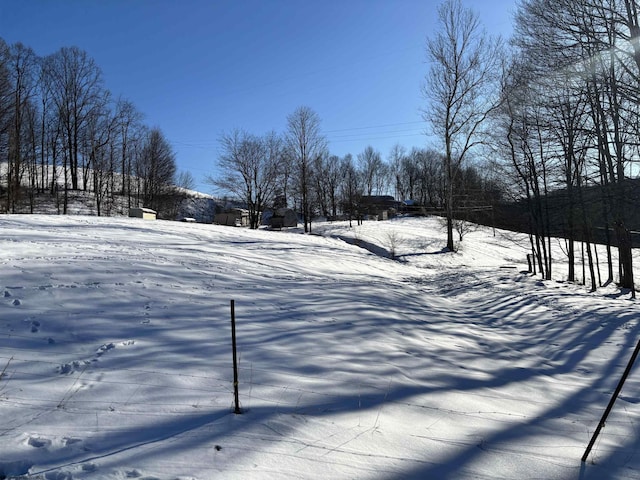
[235,359]
[611,402]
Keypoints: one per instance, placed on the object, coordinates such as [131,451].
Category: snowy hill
[116,358]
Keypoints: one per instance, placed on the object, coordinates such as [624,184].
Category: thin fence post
[235,358]
[612,401]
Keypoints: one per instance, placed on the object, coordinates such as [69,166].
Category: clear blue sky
[198,68]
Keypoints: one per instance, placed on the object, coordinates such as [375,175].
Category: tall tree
[351,188]
[305,144]
[98,145]
[22,67]
[77,87]
[373,170]
[396,158]
[155,169]
[5,105]
[522,131]
[428,184]
[129,121]
[249,169]
[327,182]
[460,88]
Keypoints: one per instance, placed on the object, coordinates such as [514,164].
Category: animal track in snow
[146,319]
[71,441]
[68,368]
[71,367]
[105,348]
[89,467]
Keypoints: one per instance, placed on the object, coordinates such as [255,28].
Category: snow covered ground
[115,353]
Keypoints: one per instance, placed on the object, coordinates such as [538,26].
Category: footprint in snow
[39,442]
[68,368]
[71,441]
[105,348]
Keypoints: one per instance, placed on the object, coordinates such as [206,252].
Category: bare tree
[327,180]
[129,121]
[185,180]
[98,145]
[396,158]
[320,188]
[522,131]
[22,66]
[305,143]
[428,186]
[30,146]
[76,84]
[5,108]
[460,89]
[249,169]
[351,188]
[155,169]
[373,170]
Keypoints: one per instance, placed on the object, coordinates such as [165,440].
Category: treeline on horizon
[62,132]
[545,123]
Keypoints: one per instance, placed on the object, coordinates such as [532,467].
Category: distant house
[412,207]
[283,217]
[236,217]
[144,213]
[379,207]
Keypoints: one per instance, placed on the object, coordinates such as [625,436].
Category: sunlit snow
[116,355]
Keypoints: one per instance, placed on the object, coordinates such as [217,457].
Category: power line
[368,139]
[374,126]
[416,132]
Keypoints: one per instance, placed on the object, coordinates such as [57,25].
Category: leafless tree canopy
[250,168]
[569,126]
[305,144]
[62,133]
[460,90]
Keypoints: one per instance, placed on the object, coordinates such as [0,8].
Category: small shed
[236,217]
[144,213]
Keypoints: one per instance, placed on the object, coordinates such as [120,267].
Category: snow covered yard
[116,353]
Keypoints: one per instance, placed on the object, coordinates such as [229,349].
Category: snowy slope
[116,349]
